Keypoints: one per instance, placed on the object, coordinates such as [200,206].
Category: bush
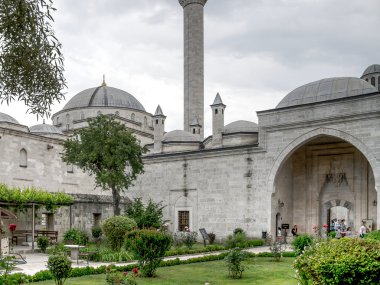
[76,236]
[42,243]
[300,242]
[373,235]
[277,249]
[189,238]
[211,238]
[96,232]
[236,240]
[60,267]
[177,240]
[146,217]
[234,260]
[149,247]
[114,277]
[340,261]
[116,228]
[238,231]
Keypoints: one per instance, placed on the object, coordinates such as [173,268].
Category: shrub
[277,249]
[236,240]
[114,277]
[340,261]
[373,235]
[211,238]
[238,231]
[234,260]
[96,232]
[76,236]
[149,216]
[42,243]
[189,238]
[60,267]
[149,247]
[300,242]
[57,249]
[116,228]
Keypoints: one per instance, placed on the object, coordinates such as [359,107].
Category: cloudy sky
[256,51]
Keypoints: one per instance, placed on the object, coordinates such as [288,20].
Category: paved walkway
[37,261]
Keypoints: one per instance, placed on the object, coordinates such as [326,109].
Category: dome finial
[104,80]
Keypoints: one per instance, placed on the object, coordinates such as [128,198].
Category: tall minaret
[194,63]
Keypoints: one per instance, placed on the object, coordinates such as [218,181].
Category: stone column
[194,62]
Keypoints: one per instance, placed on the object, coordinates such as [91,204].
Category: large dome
[325,90]
[8,119]
[374,68]
[104,96]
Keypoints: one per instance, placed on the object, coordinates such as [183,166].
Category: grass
[260,271]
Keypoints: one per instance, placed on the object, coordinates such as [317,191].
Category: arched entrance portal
[322,174]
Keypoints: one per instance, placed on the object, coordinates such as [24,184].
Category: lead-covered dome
[104,96]
[180,136]
[45,129]
[241,126]
[325,90]
[374,68]
[8,119]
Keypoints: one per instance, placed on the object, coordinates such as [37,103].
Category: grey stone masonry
[193,63]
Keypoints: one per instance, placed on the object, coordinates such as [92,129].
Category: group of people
[339,226]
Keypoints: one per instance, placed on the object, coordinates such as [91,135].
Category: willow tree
[31,62]
[109,151]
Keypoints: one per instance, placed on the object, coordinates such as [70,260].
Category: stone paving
[37,261]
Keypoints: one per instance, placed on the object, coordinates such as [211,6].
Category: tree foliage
[149,216]
[116,228]
[107,150]
[31,62]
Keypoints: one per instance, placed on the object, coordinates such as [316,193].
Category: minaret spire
[193,63]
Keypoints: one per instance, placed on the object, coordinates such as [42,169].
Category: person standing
[294,230]
[362,230]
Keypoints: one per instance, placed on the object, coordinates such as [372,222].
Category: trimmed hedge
[340,261]
[84,271]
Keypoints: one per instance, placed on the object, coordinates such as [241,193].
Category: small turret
[217,121]
[159,129]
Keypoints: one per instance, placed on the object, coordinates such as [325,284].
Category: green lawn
[261,271]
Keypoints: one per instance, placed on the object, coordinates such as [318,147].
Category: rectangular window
[183,220]
[97,219]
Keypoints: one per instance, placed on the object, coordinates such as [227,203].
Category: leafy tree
[150,216]
[107,150]
[31,62]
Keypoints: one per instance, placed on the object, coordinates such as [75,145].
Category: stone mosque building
[315,157]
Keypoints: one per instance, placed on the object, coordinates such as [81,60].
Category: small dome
[8,119]
[374,68]
[241,127]
[104,96]
[45,129]
[325,90]
[180,136]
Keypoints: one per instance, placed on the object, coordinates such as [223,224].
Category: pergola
[29,198]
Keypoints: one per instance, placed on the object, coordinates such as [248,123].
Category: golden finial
[104,81]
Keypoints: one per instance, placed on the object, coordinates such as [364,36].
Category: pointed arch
[23,160]
[301,140]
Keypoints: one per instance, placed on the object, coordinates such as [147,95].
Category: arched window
[366,79]
[193,131]
[82,116]
[133,116]
[373,81]
[23,158]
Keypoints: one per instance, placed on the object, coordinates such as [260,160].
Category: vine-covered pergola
[31,197]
